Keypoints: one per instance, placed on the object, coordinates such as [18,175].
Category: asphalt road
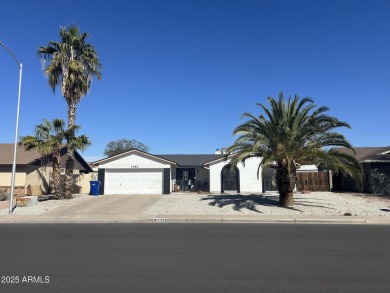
[162,257]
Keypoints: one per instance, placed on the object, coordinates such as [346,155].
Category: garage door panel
[131,181]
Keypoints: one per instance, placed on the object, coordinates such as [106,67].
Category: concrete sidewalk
[130,209]
[123,218]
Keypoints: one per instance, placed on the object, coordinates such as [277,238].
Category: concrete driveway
[106,208]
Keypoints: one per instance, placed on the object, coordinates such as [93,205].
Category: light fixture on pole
[11,200]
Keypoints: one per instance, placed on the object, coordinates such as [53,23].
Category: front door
[185,178]
[230,179]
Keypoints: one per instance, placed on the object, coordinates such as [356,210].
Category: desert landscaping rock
[315,203]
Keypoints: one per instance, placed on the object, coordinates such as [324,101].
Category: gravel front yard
[43,207]
[315,203]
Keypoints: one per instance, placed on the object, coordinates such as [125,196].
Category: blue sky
[177,75]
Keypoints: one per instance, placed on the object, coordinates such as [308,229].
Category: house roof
[191,160]
[307,168]
[182,160]
[367,154]
[24,158]
[129,152]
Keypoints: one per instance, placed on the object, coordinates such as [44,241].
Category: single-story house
[375,162]
[31,170]
[137,172]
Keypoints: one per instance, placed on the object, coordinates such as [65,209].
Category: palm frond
[72,63]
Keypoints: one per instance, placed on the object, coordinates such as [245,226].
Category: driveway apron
[120,206]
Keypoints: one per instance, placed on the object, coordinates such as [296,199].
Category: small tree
[48,140]
[117,147]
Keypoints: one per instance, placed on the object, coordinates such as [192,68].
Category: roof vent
[221,151]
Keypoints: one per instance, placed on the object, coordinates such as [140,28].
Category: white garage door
[132,181]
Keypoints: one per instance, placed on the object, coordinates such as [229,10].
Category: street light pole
[11,200]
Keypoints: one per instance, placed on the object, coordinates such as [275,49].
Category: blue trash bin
[95,187]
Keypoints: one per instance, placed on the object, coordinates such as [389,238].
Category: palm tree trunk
[56,176]
[286,199]
[71,113]
[68,186]
[285,187]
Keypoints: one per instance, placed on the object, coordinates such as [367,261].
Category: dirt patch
[4,204]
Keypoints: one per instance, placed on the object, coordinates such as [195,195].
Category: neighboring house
[309,178]
[137,172]
[375,162]
[31,169]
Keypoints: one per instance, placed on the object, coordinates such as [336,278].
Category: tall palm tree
[293,132]
[72,65]
[48,140]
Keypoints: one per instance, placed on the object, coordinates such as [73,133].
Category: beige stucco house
[32,169]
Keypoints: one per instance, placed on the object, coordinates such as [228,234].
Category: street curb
[265,221]
[194,219]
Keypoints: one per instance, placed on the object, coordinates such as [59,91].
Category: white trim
[129,152]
